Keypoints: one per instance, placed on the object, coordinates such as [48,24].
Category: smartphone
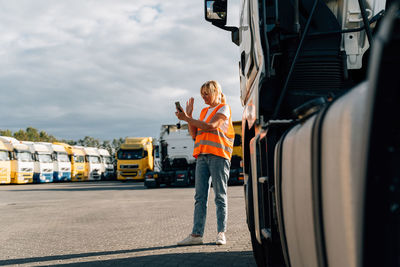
[178,106]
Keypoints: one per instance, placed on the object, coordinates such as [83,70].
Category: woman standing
[214,135]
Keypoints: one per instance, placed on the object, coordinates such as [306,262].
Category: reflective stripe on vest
[216,142]
[220,134]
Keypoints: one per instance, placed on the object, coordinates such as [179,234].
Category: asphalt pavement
[114,224]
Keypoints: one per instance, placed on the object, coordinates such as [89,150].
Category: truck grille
[128,174]
[134,166]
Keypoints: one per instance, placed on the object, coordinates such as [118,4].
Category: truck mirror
[215,11]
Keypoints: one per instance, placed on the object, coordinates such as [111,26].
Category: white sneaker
[221,240]
[191,240]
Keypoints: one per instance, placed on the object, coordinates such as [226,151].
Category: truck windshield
[79,159]
[94,159]
[23,156]
[4,155]
[108,160]
[44,158]
[130,154]
[62,157]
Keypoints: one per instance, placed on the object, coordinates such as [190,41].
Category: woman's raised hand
[189,106]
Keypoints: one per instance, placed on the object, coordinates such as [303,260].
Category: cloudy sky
[109,68]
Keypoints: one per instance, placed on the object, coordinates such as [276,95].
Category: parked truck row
[168,160]
[24,162]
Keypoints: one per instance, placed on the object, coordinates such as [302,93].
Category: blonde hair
[214,88]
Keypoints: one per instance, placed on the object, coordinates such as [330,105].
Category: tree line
[34,135]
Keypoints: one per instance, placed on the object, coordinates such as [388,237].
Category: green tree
[69,142]
[32,134]
[6,133]
[116,143]
[89,141]
[107,145]
[21,135]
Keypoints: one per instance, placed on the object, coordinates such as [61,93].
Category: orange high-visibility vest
[216,142]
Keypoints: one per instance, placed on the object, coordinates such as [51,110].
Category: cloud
[108,69]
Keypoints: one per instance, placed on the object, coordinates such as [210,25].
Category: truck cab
[77,158]
[43,163]
[61,162]
[135,158]
[93,164]
[5,163]
[21,161]
[318,82]
[107,166]
[174,163]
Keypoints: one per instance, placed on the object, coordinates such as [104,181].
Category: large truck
[107,166]
[76,156]
[21,161]
[61,162]
[93,164]
[43,162]
[319,84]
[135,158]
[5,163]
[174,163]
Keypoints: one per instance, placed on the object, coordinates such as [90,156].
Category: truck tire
[270,252]
[258,251]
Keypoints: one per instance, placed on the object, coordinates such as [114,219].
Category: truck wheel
[258,250]
[270,252]
[157,183]
[188,178]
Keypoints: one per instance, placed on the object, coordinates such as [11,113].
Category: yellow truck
[77,158]
[5,163]
[21,161]
[135,158]
[236,171]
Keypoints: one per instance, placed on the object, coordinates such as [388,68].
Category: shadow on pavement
[242,258]
[92,186]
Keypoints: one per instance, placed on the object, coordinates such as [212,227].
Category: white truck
[319,83]
[107,166]
[21,161]
[174,163]
[43,162]
[61,162]
[93,164]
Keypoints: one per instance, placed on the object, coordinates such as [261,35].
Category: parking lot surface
[114,224]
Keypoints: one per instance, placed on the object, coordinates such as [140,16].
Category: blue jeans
[218,168]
